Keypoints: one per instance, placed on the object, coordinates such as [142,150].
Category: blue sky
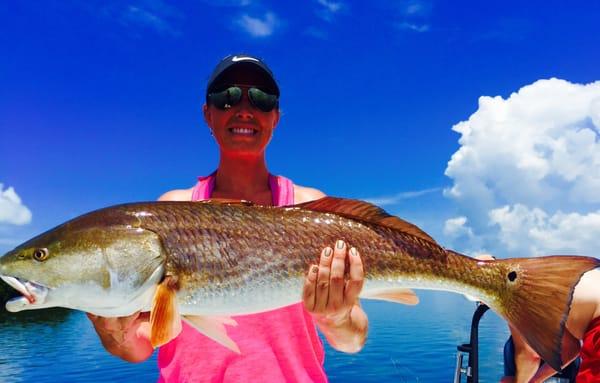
[100,104]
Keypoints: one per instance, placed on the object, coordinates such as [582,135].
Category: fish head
[99,262]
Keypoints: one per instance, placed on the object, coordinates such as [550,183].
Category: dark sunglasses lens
[262,100]
[226,98]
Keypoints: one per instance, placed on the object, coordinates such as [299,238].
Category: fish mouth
[33,294]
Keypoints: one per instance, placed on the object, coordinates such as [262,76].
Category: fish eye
[40,254]
[512,276]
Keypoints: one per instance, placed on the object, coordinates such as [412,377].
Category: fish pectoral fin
[214,328]
[404,296]
[165,322]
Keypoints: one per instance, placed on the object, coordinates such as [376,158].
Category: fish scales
[218,246]
[235,258]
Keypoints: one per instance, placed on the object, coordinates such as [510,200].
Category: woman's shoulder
[177,195]
[305,194]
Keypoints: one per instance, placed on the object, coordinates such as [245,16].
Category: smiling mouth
[243,131]
[32,292]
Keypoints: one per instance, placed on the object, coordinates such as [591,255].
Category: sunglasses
[231,96]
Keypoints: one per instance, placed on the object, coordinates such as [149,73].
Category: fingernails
[339,244]
[353,252]
[314,269]
[327,252]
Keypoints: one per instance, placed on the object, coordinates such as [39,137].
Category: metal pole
[474,354]
[471,348]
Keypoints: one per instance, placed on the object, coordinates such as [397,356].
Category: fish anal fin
[399,295]
[165,323]
[214,328]
[538,301]
[365,212]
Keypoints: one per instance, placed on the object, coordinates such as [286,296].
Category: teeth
[243,130]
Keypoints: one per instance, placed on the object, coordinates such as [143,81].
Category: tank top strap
[282,190]
[204,188]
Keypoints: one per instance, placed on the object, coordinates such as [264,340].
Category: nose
[244,112]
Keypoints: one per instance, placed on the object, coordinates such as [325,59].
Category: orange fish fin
[538,301]
[165,323]
[404,296]
[365,212]
[214,328]
[570,350]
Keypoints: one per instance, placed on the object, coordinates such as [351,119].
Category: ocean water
[405,344]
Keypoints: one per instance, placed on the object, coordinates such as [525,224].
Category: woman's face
[242,129]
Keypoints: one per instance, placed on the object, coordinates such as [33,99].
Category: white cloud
[331,6]
[329,9]
[12,211]
[413,26]
[396,198]
[413,15]
[416,8]
[259,27]
[527,174]
[145,18]
[533,231]
[153,15]
[456,227]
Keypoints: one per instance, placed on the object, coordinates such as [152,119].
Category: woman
[242,112]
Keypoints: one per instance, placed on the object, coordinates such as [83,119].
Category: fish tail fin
[540,292]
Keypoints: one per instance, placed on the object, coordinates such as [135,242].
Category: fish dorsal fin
[365,212]
[227,201]
[214,328]
[165,323]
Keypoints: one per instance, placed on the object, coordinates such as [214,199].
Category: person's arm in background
[129,337]
[527,361]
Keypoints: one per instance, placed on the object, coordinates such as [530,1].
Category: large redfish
[204,262]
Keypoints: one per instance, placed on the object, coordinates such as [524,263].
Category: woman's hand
[333,299]
[126,337]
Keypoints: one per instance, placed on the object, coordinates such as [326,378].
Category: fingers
[113,324]
[322,288]
[308,293]
[331,287]
[355,283]
[336,280]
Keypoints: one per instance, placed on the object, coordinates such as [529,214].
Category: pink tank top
[276,346]
[589,369]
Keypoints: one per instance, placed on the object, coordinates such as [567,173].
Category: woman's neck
[242,177]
